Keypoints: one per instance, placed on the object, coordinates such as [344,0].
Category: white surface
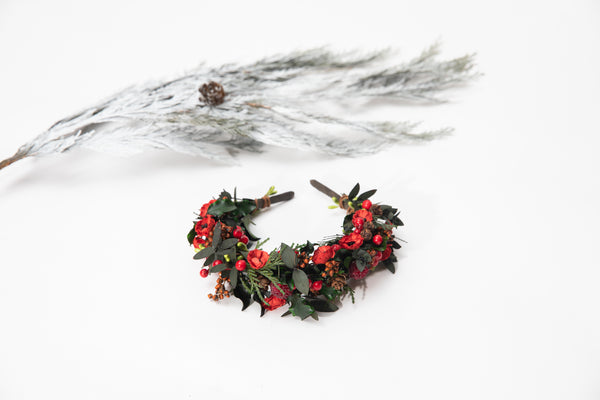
[496,294]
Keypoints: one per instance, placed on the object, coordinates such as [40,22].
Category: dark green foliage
[362,259]
[322,305]
[243,295]
[191,234]
[366,195]
[329,292]
[299,307]
[221,207]
[354,191]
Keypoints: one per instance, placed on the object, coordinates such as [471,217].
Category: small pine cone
[212,93]
[376,209]
[263,283]
[338,282]
[366,234]
[369,225]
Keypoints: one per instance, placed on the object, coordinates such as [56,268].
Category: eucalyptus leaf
[288,256]
[218,268]
[207,251]
[217,236]
[228,243]
[233,277]
[301,281]
[209,259]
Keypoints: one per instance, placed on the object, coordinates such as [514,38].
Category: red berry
[336,247]
[377,239]
[367,204]
[240,265]
[316,285]
[244,239]
[204,272]
[217,262]
[358,222]
[237,232]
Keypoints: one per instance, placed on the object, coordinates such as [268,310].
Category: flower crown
[309,277]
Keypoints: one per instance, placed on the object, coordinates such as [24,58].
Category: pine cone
[263,283]
[366,234]
[369,225]
[376,209]
[338,282]
[226,231]
[212,93]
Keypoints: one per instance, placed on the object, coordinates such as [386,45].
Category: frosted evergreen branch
[271,101]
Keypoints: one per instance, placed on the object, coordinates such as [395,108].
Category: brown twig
[256,105]
[10,160]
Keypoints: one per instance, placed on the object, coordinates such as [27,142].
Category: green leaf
[322,305]
[209,259]
[329,292]
[221,207]
[191,234]
[288,256]
[233,277]
[218,268]
[288,312]
[315,316]
[396,245]
[217,239]
[366,195]
[246,221]
[354,192]
[228,243]
[245,207]
[389,264]
[362,259]
[300,308]
[244,296]
[205,252]
[301,281]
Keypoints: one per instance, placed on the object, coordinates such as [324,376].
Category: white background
[496,294]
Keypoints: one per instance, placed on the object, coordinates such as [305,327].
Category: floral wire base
[309,277]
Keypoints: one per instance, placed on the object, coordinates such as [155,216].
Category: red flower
[257,258]
[274,303]
[355,273]
[376,259]
[386,253]
[323,254]
[352,241]
[198,241]
[277,293]
[205,225]
[364,214]
[204,208]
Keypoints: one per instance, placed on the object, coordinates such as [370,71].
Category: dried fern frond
[271,101]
